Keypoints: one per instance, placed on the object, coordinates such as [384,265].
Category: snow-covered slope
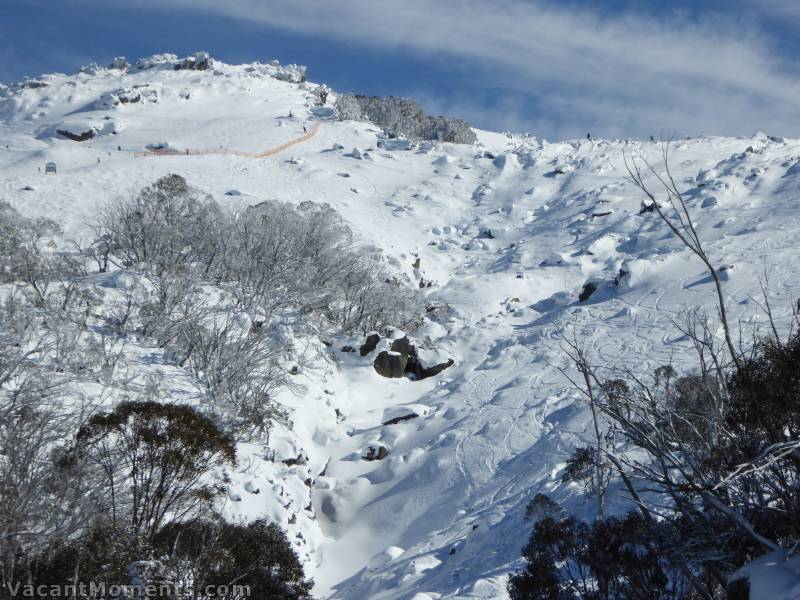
[507,232]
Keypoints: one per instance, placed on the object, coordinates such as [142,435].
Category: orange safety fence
[197,152]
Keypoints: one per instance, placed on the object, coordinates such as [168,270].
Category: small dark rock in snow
[233,193]
[404,346]
[27,188]
[77,137]
[646,208]
[199,61]
[379,454]
[426,372]
[370,344]
[119,63]
[588,289]
[402,418]
[402,358]
[348,349]
[300,460]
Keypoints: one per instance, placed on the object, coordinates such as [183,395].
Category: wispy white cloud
[626,74]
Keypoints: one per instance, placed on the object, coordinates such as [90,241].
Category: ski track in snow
[502,421]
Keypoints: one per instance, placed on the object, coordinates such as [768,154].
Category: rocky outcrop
[289,73]
[138,93]
[390,364]
[370,344]
[402,359]
[426,372]
[378,453]
[119,63]
[588,289]
[199,61]
[77,137]
[403,117]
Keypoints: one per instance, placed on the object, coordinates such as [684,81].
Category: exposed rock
[436,369]
[402,359]
[401,418]
[370,344]
[620,276]
[589,288]
[290,73]
[403,412]
[348,349]
[133,95]
[376,454]
[391,364]
[77,137]
[199,61]
[31,84]
[403,117]
[119,62]
[564,169]
[291,462]
[404,346]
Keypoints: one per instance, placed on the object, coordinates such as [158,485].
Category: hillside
[497,239]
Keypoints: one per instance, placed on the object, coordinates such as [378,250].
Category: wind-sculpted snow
[499,239]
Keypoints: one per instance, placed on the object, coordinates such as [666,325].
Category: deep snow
[507,231]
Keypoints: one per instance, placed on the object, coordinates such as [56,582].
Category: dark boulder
[436,369]
[300,460]
[378,453]
[587,291]
[391,364]
[403,354]
[77,137]
[404,346]
[370,344]
[401,418]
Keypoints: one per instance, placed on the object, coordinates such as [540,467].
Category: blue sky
[617,68]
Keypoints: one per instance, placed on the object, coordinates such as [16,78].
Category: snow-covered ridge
[500,238]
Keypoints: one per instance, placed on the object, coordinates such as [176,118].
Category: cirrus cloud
[623,73]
